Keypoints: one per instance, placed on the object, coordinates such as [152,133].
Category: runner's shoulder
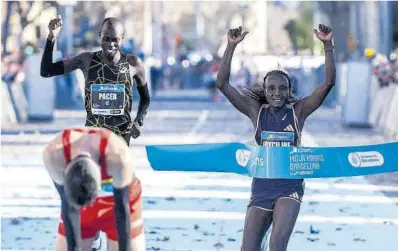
[86,56]
[82,60]
[54,146]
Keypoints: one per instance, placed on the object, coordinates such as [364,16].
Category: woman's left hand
[324,34]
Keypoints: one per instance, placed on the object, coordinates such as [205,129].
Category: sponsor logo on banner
[300,150]
[366,159]
[242,157]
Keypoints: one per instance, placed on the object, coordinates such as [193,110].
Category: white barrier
[341,82]
[41,91]
[357,99]
[391,125]
[381,106]
[384,111]
[7,114]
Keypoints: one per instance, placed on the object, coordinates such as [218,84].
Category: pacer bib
[107,99]
[277,139]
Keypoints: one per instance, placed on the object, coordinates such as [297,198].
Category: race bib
[107,99]
[106,189]
[277,139]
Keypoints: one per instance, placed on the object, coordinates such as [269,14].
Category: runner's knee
[257,222]
[278,242]
[137,244]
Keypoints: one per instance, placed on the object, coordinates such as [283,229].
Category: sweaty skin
[119,167]
[250,107]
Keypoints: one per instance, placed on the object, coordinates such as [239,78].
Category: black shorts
[266,192]
[126,138]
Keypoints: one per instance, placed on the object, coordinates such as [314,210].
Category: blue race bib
[277,139]
[107,99]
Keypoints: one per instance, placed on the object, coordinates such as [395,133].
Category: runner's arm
[237,100]
[142,88]
[122,215]
[50,69]
[71,219]
[119,166]
[70,215]
[309,104]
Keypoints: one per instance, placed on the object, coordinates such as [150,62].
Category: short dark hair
[111,20]
[80,184]
[278,73]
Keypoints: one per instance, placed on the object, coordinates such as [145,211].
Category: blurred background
[181,44]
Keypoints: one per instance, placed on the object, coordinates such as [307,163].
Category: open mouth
[110,51]
[277,100]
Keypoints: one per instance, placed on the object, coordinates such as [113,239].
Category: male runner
[108,75]
[92,171]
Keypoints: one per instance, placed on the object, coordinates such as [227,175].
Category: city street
[201,211]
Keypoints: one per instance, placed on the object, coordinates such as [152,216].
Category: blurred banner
[276,162]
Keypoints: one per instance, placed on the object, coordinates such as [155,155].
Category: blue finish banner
[276,162]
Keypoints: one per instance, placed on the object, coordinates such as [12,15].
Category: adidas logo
[289,128]
[295,195]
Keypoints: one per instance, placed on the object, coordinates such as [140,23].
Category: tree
[23,9]
[338,13]
[292,30]
[300,30]
[394,6]
[6,26]
[217,17]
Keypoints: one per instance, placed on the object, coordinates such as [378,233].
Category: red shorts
[100,216]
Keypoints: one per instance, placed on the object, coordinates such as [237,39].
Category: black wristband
[144,103]
[328,46]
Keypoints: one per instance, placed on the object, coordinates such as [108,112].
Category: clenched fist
[54,27]
[324,34]
[235,36]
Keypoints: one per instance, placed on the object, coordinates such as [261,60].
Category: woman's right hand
[235,36]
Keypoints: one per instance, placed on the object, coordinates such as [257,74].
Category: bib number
[107,99]
[278,139]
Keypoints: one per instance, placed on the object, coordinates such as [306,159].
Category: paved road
[200,211]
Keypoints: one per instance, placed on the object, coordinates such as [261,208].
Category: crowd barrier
[41,91]
[7,114]
[384,112]
[357,94]
[364,102]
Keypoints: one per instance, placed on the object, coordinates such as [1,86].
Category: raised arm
[50,69]
[309,104]
[238,100]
